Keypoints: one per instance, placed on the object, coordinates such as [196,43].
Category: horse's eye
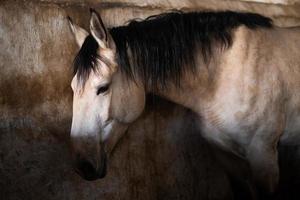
[102,89]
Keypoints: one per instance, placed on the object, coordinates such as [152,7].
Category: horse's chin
[101,176]
[88,177]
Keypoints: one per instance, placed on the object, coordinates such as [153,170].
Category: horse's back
[288,40]
[258,87]
[290,50]
[276,63]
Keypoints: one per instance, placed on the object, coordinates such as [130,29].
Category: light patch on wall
[284,2]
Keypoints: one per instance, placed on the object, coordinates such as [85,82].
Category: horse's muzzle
[91,171]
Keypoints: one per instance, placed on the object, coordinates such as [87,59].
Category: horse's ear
[98,29]
[79,33]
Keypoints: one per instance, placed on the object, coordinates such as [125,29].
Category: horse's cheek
[128,108]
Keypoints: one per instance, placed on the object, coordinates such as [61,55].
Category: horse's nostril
[87,170]
[86,166]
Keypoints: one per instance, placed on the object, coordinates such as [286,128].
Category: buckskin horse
[237,71]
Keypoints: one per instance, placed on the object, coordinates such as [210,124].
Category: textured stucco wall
[161,157]
[284,12]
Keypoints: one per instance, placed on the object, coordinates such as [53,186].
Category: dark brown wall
[161,157]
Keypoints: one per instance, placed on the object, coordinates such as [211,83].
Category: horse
[237,71]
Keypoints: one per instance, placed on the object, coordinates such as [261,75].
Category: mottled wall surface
[284,12]
[162,156]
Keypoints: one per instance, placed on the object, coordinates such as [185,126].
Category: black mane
[163,46]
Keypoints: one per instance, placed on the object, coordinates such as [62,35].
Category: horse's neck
[195,87]
[198,89]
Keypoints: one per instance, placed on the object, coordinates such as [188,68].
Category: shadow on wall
[161,157]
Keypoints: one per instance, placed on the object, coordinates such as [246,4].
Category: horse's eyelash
[102,89]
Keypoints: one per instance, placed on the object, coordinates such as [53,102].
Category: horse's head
[104,101]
